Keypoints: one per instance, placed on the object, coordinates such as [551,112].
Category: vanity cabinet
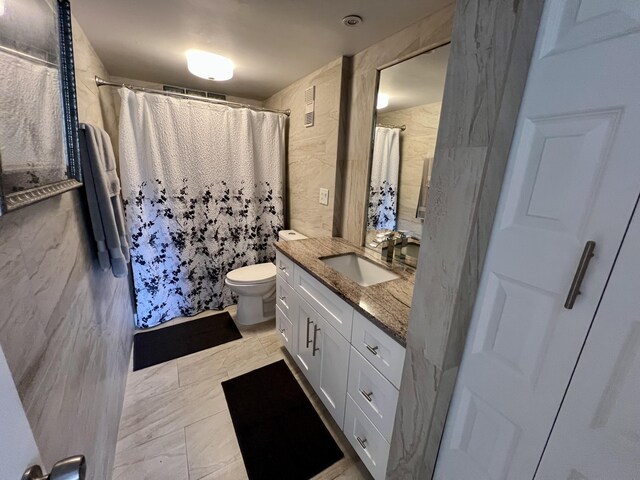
[352,365]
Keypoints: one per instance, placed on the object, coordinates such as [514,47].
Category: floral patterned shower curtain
[202,186]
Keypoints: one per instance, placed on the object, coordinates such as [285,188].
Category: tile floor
[175,424]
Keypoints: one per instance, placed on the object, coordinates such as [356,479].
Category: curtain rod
[18,53]
[401,127]
[104,83]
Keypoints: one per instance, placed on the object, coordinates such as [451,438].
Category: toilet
[255,286]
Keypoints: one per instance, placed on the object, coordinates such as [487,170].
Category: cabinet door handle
[309,322]
[581,271]
[362,442]
[373,350]
[282,330]
[367,395]
[315,338]
[283,298]
[284,269]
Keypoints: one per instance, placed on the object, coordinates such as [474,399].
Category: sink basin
[360,270]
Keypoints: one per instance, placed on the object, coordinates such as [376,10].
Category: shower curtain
[202,186]
[383,189]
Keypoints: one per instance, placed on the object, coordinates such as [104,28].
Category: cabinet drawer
[284,328]
[285,297]
[284,267]
[371,446]
[378,348]
[334,310]
[373,393]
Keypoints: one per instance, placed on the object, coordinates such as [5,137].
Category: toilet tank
[286,235]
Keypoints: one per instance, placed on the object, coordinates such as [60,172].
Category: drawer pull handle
[282,330]
[367,395]
[363,443]
[309,322]
[315,338]
[283,299]
[373,350]
[284,269]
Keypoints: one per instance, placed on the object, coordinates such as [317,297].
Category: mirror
[38,112]
[408,103]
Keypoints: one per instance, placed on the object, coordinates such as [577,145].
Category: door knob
[72,468]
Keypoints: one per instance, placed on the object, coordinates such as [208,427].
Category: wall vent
[310,105]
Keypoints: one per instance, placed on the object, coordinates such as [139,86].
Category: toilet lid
[259,273]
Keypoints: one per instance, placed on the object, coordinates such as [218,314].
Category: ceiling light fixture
[383,101]
[352,20]
[209,65]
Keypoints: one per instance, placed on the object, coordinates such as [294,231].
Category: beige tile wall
[417,147]
[430,32]
[314,153]
[65,326]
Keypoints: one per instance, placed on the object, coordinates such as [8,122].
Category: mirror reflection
[32,151]
[409,100]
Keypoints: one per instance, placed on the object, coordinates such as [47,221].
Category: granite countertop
[386,304]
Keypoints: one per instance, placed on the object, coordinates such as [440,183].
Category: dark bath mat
[158,346]
[280,433]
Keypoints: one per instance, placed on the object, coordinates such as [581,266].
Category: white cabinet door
[573,176]
[332,349]
[306,318]
[597,432]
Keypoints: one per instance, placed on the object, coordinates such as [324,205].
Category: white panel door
[573,176]
[333,351]
[597,432]
[18,450]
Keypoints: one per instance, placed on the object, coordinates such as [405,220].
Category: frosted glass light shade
[209,65]
[383,101]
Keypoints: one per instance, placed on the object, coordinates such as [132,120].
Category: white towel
[102,187]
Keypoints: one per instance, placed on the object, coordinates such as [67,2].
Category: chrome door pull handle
[363,443]
[315,338]
[373,350]
[309,322]
[282,268]
[72,468]
[283,299]
[282,330]
[367,395]
[581,271]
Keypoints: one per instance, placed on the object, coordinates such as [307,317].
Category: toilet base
[254,310]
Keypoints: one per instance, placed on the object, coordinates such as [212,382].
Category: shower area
[203,194]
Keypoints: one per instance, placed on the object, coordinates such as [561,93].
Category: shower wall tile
[431,31]
[313,153]
[417,146]
[66,326]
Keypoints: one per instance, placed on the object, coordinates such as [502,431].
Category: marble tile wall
[491,51]
[432,31]
[417,147]
[66,326]
[314,153]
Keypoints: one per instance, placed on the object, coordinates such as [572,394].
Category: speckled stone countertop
[386,304]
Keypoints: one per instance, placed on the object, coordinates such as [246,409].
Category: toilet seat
[253,274]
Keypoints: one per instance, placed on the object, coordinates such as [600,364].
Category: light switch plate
[324,196]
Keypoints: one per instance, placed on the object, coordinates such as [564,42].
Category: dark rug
[158,346]
[280,434]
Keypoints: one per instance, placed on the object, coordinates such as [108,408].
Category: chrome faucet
[388,239]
